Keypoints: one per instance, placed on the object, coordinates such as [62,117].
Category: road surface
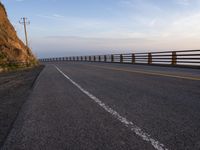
[102,106]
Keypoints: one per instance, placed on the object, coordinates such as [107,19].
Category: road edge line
[146,137]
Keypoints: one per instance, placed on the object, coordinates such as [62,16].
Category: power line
[25,22]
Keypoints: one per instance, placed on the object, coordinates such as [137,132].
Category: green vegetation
[11,66]
[2,56]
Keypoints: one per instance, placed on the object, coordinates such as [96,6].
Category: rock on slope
[12,49]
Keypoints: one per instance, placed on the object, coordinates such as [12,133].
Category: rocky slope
[13,52]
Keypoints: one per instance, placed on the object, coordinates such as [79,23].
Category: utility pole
[25,21]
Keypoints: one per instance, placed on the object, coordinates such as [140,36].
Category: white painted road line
[146,137]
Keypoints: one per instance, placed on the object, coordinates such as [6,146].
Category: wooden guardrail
[173,58]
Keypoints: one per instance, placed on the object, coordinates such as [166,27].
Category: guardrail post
[99,58]
[112,58]
[94,58]
[121,58]
[81,58]
[77,58]
[105,58]
[133,58]
[174,58]
[89,58]
[149,58]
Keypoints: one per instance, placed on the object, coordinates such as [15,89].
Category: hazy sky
[82,27]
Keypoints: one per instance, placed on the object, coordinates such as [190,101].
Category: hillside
[13,52]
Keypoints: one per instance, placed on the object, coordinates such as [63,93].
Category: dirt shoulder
[14,91]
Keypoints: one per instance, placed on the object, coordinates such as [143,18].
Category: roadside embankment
[14,90]
[14,54]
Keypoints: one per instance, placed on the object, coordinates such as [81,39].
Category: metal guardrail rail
[172,58]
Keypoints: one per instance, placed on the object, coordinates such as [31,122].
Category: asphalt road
[99,106]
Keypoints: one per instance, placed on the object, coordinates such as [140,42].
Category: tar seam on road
[147,73]
[146,137]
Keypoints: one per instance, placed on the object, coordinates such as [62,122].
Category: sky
[89,27]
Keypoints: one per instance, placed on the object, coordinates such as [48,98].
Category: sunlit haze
[87,27]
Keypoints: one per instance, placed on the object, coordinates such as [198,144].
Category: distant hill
[13,52]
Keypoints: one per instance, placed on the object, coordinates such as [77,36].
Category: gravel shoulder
[14,91]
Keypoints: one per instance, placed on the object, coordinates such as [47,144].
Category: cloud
[20,0]
[53,46]
[58,16]
[132,25]
[53,16]
[184,27]
[184,2]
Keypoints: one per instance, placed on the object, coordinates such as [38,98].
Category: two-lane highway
[110,106]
